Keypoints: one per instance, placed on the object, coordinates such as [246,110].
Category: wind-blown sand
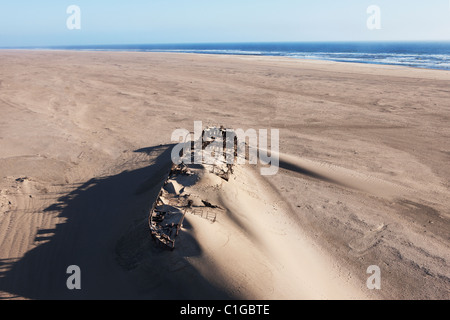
[363,180]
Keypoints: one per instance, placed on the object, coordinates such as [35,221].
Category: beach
[85,140]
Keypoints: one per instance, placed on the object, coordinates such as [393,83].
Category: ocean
[432,55]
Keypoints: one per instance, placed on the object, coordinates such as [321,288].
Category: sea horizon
[418,54]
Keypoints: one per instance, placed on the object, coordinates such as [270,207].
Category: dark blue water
[433,55]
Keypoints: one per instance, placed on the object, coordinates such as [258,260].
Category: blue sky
[43,22]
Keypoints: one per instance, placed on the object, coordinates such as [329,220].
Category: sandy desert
[364,178]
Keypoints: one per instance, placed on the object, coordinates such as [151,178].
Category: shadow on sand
[106,234]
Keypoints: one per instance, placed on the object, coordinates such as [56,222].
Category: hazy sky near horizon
[43,22]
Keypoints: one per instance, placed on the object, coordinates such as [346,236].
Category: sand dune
[85,148]
[254,248]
